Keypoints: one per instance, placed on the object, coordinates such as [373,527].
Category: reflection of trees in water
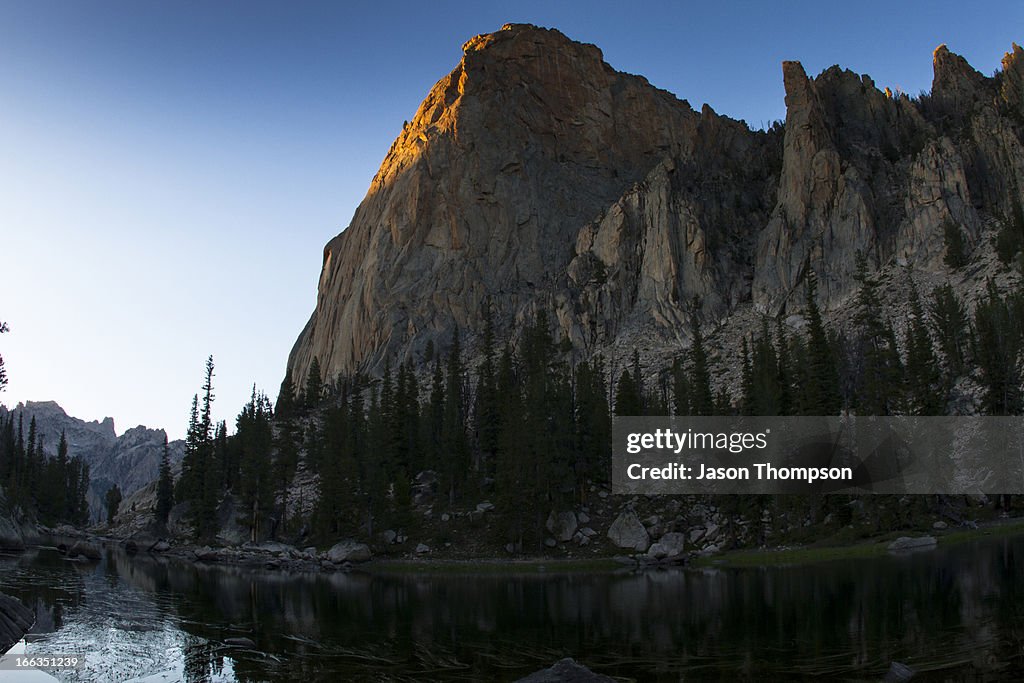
[957,604]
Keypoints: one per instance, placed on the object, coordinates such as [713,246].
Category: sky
[170,171]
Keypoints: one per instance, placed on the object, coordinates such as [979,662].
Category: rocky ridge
[536,176]
[131,460]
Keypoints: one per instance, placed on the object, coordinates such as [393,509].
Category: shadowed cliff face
[536,176]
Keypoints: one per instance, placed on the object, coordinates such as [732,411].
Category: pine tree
[314,385]
[113,502]
[880,389]
[485,413]
[702,401]
[924,380]
[3,370]
[950,324]
[627,396]
[821,379]
[680,388]
[956,256]
[254,434]
[164,488]
[454,441]
[998,325]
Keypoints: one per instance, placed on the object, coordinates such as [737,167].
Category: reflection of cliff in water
[960,604]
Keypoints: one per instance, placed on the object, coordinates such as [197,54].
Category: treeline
[53,487]
[251,464]
[530,430]
[525,429]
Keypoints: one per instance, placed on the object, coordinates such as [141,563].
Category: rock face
[536,176]
[131,460]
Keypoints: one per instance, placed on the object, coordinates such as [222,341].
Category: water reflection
[956,610]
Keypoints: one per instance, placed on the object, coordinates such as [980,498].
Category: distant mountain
[535,176]
[131,460]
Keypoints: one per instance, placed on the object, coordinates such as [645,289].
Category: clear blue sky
[169,172]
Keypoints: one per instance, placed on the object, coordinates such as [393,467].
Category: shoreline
[283,558]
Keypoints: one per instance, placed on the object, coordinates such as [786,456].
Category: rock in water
[627,532]
[899,673]
[15,621]
[911,543]
[566,671]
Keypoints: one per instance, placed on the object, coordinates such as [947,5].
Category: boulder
[422,548]
[349,551]
[627,532]
[485,506]
[562,525]
[939,525]
[389,536]
[669,546]
[206,554]
[160,546]
[911,543]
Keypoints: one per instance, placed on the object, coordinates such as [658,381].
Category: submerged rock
[566,671]
[86,550]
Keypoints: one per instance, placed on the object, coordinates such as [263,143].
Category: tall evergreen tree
[113,501]
[3,370]
[880,386]
[925,392]
[951,327]
[164,487]
[998,323]
[702,401]
[821,379]
[454,441]
[627,395]
[314,385]
[254,434]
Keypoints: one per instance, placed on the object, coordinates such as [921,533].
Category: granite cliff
[535,176]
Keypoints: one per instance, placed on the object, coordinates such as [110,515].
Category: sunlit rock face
[535,176]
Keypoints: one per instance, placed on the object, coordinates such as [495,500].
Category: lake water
[959,610]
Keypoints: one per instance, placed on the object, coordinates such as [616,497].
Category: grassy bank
[826,551]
